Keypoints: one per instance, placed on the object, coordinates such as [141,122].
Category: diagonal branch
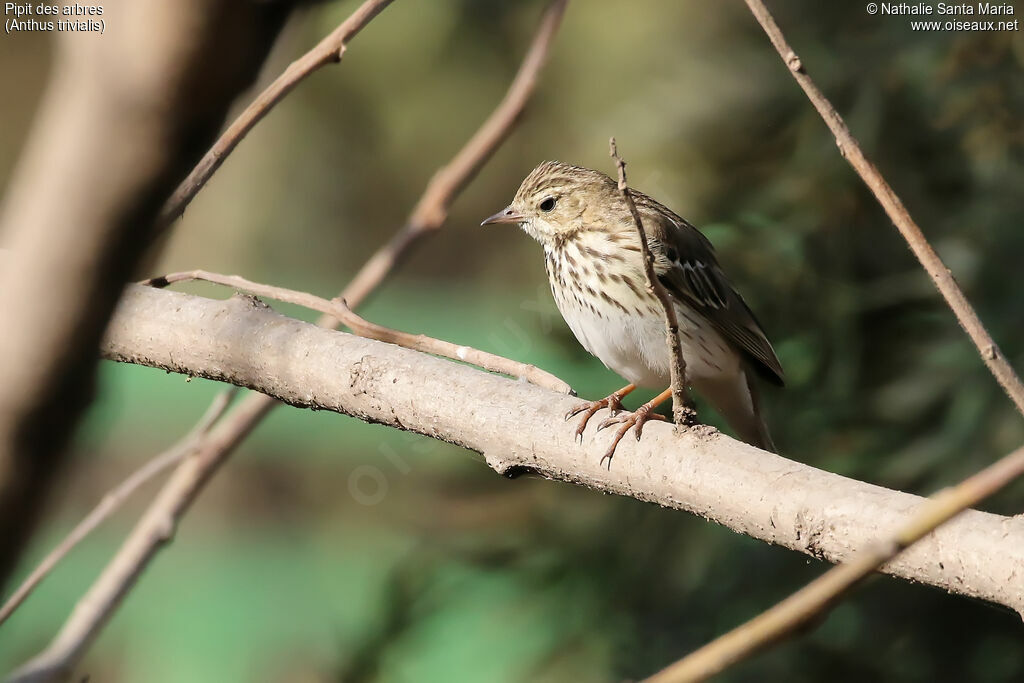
[431,210]
[115,498]
[120,124]
[898,214]
[339,309]
[330,50]
[810,602]
[152,531]
[682,413]
[819,596]
[517,427]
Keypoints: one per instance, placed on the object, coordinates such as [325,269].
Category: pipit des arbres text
[595,267]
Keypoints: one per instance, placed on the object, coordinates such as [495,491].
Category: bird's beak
[506,215]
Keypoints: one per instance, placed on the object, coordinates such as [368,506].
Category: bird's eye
[547,204]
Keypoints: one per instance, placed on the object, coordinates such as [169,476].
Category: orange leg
[613,403]
[636,420]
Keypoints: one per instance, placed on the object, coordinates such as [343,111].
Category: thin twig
[681,412]
[156,526]
[817,597]
[119,120]
[154,530]
[937,270]
[116,497]
[339,309]
[448,182]
[330,50]
[807,604]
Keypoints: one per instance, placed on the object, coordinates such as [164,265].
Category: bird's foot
[612,402]
[635,420]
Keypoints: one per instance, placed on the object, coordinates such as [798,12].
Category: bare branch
[682,413]
[115,498]
[432,209]
[941,276]
[807,604]
[155,529]
[518,427]
[328,51]
[152,531]
[117,128]
[339,310]
[810,602]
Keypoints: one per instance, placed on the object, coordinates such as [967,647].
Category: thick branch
[149,535]
[118,128]
[807,604]
[518,428]
[941,276]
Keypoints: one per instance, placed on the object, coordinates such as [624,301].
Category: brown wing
[686,265]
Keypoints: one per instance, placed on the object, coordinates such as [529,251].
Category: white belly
[635,346]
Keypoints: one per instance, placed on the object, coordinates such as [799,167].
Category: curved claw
[613,403]
[578,409]
[635,421]
[639,428]
[630,421]
[589,408]
[612,420]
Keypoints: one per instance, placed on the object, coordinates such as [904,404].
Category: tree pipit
[595,269]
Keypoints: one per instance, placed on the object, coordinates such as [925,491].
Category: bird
[594,264]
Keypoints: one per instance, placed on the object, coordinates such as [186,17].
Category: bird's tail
[737,400]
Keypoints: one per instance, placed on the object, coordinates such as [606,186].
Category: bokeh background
[331,550]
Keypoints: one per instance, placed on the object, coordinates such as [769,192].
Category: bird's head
[556,199]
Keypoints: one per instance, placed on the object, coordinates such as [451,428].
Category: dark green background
[281,573]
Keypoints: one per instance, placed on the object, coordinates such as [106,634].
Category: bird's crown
[556,178]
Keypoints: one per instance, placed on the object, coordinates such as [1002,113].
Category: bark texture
[519,427]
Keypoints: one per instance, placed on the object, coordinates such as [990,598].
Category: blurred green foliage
[333,550]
